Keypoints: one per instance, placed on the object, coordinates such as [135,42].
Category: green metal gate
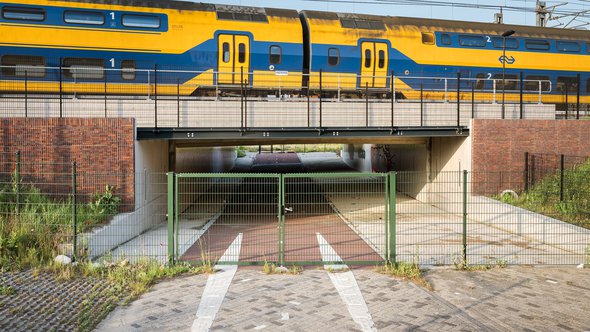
[288,219]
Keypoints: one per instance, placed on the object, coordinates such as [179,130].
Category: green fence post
[281,219]
[392,225]
[170,216]
[464,255]
[74,213]
[17,182]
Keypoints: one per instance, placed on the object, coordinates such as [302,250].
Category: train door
[233,58]
[374,64]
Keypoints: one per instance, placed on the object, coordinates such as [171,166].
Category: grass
[272,268]
[544,196]
[462,265]
[405,271]
[36,229]
[7,290]
[299,148]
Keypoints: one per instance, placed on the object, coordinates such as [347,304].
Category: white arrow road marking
[216,288]
[347,287]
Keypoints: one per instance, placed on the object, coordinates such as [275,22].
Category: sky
[451,12]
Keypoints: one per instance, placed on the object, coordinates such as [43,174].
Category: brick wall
[499,146]
[102,148]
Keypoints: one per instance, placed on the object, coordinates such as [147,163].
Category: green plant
[406,271]
[272,268]
[7,290]
[105,204]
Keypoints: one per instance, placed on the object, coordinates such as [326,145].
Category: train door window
[480,81]
[445,39]
[226,54]
[128,69]
[23,65]
[23,13]
[569,83]
[511,43]
[333,56]
[241,52]
[368,59]
[275,54]
[588,85]
[141,21]
[531,83]
[587,47]
[381,63]
[472,41]
[537,44]
[428,38]
[83,17]
[83,68]
[511,81]
[568,46]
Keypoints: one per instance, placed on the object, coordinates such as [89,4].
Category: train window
[587,47]
[23,13]
[537,44]
[84,68]
[569,83]
[568,46]
[347,23]
[241,16]
[381,59]
[241,52]
[473,41]
[275,54]
[368,59]
[141,21]
[531,83]
[23,65]
[428,38]
[225,47]
[128,69]
[445,39]
[480,81]
[511,43]
[333,56]
[511,81]
[83,17]
[588,85]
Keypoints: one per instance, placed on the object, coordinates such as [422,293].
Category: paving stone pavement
[514,298]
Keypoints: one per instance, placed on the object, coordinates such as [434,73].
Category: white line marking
[284,316]
[216,288]
[347,287]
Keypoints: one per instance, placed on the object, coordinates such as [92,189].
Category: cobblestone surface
[515,298]
[43,303]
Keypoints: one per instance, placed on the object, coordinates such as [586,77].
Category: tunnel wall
[358,156]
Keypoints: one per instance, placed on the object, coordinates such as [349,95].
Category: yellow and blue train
[186,47]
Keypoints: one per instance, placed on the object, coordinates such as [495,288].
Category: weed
[406,271]
[7,290]
[272,268]
[588,255]
[463,265]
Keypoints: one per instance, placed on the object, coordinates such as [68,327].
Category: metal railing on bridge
[243,100]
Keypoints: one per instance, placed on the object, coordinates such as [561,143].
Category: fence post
[392,222]
[392,97]
[156,96]
[561,176]
[472,100]
[422,104]
[464,254]
[567,103]
[60,90]
[170,217]
[178,102]
[26,94]
[17,182]
[521,92]
[321,93]
[366,104]
[526,171]
[105,93]
[308,102]
[578,99]
[74,213]
[281,220]
[458,99]
[242,98]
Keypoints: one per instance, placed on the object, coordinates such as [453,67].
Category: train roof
[187,5]
[459,26]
